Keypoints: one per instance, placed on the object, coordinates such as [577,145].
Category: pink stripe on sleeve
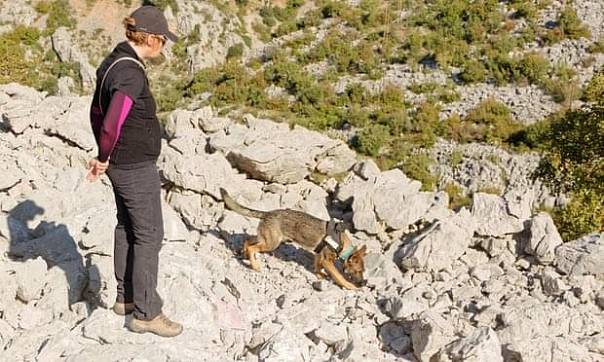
[112,123]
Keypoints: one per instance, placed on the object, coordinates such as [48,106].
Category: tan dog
[313,234]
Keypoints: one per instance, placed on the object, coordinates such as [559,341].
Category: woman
[127,132]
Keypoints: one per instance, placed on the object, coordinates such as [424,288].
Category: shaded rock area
[490,282]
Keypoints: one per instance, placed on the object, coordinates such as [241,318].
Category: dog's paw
[350,287]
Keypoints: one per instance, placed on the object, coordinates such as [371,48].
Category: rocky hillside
[490,283]
[420,124]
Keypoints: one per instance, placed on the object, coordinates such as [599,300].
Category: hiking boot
[160,325]
[123,308]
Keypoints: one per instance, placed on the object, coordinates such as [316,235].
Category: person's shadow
[48,240]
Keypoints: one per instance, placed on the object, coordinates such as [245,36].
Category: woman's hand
[95,169]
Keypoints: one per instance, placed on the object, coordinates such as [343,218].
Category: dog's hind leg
[268,239]
[250,250]
[318,268]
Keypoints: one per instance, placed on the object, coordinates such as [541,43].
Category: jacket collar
[126,49]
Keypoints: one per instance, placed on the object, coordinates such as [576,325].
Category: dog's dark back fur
[305,229]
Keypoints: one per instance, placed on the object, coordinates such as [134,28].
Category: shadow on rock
[48,240]
[286,251]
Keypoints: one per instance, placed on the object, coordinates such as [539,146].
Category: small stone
[551,283]
[523,264]
[321,285]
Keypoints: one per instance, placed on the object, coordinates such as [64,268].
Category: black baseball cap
[150,19]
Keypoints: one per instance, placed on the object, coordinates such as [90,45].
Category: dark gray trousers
[138,236]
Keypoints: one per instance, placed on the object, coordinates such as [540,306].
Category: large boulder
[481,345]
[439,245]
[582,256]
[492,216]
[68,51]
[430,333]
[389,197]
[18,106]
[203,173]
[273,152]
[544,238]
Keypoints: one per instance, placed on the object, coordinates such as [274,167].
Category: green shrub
[490,121]
[14,66]
[598,46]
[268,16]
[533,67]
[574,163]
[286,27]
[457,197]
[570,24]
[456,158]
[417,166]
[262,31]
[525,10]
[372,138]
[584,214]
[235,51]
[474,72]
[594,91]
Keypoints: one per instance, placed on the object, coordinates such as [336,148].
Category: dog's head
[354,266]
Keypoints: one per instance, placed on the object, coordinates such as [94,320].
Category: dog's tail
[234,206]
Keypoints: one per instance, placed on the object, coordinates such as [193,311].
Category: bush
[583,215]
[598,46]
[372,138]
[417,166]
[474,72]
[574,163]
[594,91]
[571,25]
[533,67]
[490,121]
[235,51]
[457,197]
[14,66]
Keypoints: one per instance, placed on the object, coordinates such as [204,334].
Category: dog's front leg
[336,275]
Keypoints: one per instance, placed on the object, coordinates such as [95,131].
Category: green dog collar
[344,255]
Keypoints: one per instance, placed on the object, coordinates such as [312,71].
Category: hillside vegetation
[320,59]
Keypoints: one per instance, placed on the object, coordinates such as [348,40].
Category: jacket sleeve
[112,123]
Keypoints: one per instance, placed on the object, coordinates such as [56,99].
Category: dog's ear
[361,252]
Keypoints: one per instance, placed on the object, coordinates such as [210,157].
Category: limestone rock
[393,335]
[552,284]
[102,286]
[68,51]
[174,228]
[481,345]
[439,245]
[273,152]
[492,217]
[389,197]
[544,238]
[429,334]
[582,256]
[31,276]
